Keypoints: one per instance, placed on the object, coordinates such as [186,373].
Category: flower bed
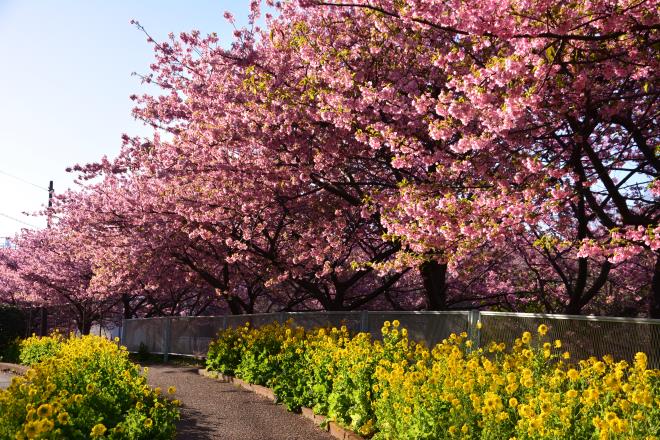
[83,388]
[399,389]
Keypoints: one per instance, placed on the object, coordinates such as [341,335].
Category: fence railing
[582,336]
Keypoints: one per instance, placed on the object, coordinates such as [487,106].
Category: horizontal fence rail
[582,336]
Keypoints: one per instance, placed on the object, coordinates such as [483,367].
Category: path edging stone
[335,430]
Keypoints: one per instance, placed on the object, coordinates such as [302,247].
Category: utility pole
[50,203]
[43,331]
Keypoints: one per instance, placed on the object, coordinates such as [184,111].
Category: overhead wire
[27,182]
[23,180]
[16,220]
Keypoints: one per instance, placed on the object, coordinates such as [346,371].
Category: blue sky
[65,83]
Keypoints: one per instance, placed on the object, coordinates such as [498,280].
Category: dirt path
[215,410]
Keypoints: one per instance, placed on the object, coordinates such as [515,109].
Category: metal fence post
[281,317]
[167,336]
[474,333]
[121,332]
[224,322]
[364,321]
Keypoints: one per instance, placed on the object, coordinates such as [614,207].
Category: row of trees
[378,154]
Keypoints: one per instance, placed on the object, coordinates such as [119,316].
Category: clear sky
[65,82]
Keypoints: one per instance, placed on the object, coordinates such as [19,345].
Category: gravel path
[7,371]
[5,380]
[215,410]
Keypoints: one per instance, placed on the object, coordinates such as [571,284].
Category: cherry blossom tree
[380,154]
[450,138]
[51,271]
[538,111]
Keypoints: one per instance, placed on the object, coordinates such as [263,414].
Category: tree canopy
[378,154]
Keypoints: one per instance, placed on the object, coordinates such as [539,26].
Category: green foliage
[290,382]
[350,399]
[226,350]
[35,348]
[258,362]
[400,389]
[86,388]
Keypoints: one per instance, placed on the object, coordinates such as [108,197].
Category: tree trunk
[85,326]
[574,307]
[654,305]
[434,276]
[43,328]
[234,306]
[126,300]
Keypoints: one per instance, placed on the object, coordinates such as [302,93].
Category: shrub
[400,389]
[226,350]
[290,380]
[143,354]
[258,363]
[11,351]
[12,326]
[530,392]
[35,348]
[87,388]
[349,402]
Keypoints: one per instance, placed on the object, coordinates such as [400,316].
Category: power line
[16,220]
[23,180]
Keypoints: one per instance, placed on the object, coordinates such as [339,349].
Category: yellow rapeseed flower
[148,423]
[171,390]
[31,429]
[46,425]
[31,415]
[526,337]
[63,418]
[45,410]
[543,329]
[98,430]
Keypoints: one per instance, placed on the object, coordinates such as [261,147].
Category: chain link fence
[582,336]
